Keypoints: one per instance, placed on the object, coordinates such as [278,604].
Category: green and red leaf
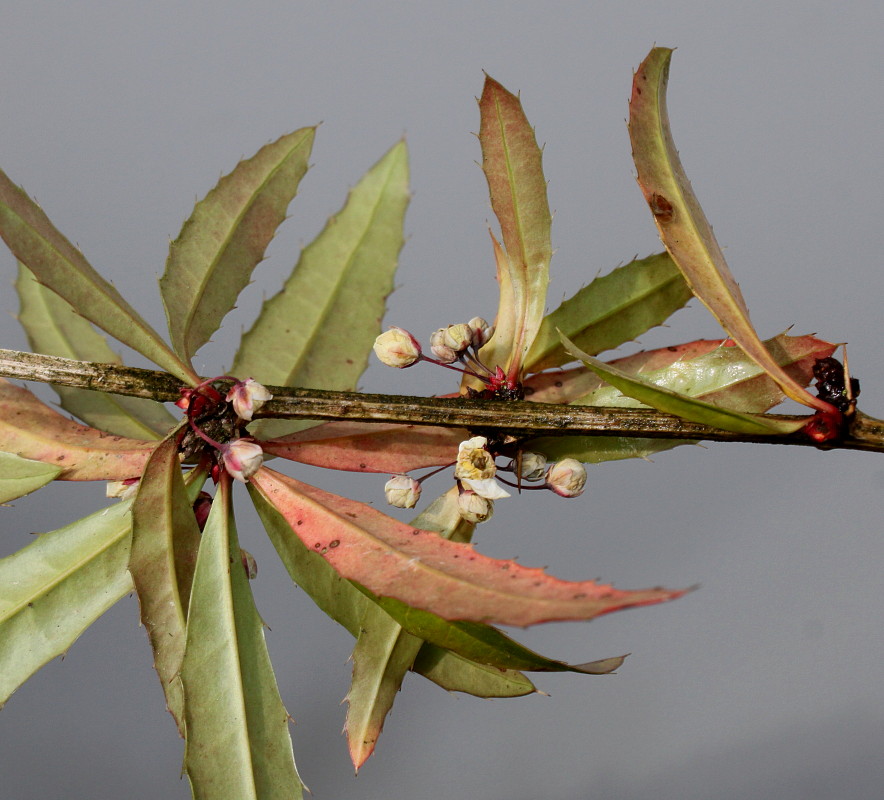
[392,559]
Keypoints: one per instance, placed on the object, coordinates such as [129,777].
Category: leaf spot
[661,208]
[334,542]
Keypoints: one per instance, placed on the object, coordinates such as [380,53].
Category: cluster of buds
[238,455]
[478,479]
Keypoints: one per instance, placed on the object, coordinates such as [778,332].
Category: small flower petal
[474,508]
[567,477]
[242,458]
[402,491]
[397,348]
[247,397]
[474,461]
[533,466]
[480,332]
[488,488]
[445,354]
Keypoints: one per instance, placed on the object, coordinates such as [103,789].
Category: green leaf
[384,652]
[613,309]
[455,673]
[20,476]
[319,329]
[423,570]
[238,744]
[54,328]
[511,161]
[346,605]
[165,542]
[671,402]
[30,429]
[60,266]
[56,587]
[224,239]
[683,226]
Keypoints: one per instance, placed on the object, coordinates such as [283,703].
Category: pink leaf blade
[392,559]
[31,429]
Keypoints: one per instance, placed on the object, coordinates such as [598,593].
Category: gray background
[766,682]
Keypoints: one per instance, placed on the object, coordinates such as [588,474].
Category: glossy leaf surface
[613,309]
[672,402]
[683,226]
[32,430]
[238,743]
[224,239]
[419,568]
[60,266]
[54,328]
[56,587]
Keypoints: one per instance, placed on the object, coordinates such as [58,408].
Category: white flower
[488,488]
[397,348]
[402,491]
[474,462]
[566,477]
[533,466]
[474,508]
[247,397]
[480,331]
[242,458]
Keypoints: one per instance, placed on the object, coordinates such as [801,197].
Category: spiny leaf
[613,309]
[346,605]
[384,652]
[683,226]
[238,743]
[671,402]
[511,161]
[165,541]
[370,447]
[20,476]
[319,329]
[32,430]
[54,328]
[421,569]
[56,587]
[60,266]
[224,239]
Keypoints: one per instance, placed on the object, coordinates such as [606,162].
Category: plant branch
[523,419]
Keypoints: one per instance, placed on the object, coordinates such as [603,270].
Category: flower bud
[474,508]
[397,348]
[247,397]
[445,354]
[474,462]
[566,477]
[402,491]
[480,332]
[533,466]
[242,458]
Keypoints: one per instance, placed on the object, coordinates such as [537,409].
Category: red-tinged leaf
[224,239]
[683,226]
[57,264]
[392,559]
[30,429]
[511,161]
[347,606]
[680,405]
[367,447]
[165,542]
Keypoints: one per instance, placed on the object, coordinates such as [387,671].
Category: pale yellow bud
[397,348]
[402,491]
[474,508]
[567,477]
